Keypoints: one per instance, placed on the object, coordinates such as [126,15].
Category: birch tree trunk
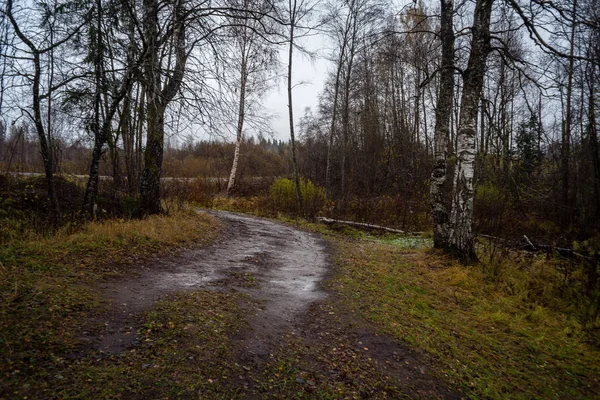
[461,233]
[240,124]
[443,111]
[246,50]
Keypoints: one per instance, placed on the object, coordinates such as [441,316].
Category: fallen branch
[531,247]
[529,242]
[330,221]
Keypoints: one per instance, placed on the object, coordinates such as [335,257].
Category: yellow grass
[504,335]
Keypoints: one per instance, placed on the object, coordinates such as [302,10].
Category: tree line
[440,102]
[455,102]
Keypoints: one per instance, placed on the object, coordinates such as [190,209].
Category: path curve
[284,265]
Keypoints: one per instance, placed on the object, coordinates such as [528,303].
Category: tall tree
[108,95]
[443,112]
[567,126]
[461,217]
[257,59]
[159,94]
[37,47]
[341,34]
[296,15]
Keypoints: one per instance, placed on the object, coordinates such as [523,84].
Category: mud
[277,266]
[287,309]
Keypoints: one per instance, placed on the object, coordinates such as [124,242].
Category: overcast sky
[308,76]
[312,75]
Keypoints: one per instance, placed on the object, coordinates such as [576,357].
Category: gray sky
[313,73]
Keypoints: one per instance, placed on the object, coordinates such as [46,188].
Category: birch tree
[443,112]
[257,59]
[461,217]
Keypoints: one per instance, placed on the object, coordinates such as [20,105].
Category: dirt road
[288,313]
[278,266]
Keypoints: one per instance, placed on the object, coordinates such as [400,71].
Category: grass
[47,282]
[501,329]
[184,352]
[187,344]
[494,336]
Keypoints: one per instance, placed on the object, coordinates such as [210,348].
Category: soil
[282,271]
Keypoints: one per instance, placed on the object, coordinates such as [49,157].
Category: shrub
[283,196]
[490,208]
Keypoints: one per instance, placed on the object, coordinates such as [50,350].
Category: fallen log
[330,221]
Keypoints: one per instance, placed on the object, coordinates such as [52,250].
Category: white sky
[312,73]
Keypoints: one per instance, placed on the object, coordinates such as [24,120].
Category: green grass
[498,330]
[47,283]
[489,336]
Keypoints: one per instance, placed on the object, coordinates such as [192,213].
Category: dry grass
[503,335]
[46,282]
[179,228]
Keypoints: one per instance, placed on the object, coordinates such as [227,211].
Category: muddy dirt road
[288,313]
[278,266]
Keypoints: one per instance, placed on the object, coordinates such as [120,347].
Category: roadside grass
[46,282]
[184,352]
[501,335]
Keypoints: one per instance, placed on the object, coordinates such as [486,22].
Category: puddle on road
[186,280]
[287,265]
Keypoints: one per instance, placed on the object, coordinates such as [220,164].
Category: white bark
[439,208]
[241,115]
[461,218]
[234,166]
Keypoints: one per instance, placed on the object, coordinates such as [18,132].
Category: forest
[117,89]
[469,124]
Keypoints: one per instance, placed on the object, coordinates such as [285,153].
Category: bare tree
[443,112]
[106,103]
[461,217]
[296,16]
[341,34]
[257,62]
[37,47]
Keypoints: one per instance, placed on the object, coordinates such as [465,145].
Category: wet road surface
[281,269]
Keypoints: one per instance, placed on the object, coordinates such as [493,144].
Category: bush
[490,208]
[283,196]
